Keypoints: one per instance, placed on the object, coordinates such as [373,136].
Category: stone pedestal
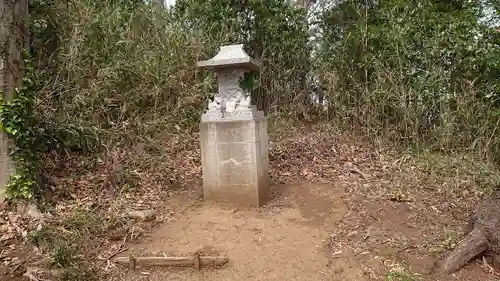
[233,133]
[235,158]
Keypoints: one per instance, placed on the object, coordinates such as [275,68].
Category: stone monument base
[234,155]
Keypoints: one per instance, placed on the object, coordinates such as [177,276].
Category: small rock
[144,215]
[351,234]
[33,212]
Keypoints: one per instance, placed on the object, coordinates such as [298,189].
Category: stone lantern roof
[232,56]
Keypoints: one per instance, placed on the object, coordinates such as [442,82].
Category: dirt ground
[299,235]
[340,209]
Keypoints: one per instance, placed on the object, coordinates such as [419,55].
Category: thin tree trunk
[13,39]
[303,3]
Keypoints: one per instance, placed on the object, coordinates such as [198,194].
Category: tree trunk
[303,3]
[482,238]
[470,247]
[13,39]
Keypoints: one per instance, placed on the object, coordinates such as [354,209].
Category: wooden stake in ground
[196,260]
[131,262]
[482,238]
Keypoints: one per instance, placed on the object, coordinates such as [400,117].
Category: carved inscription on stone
[236,162]
[234,174]
[235,152]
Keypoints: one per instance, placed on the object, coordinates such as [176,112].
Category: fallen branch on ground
[353,169]
[119,251]
[196,260]
[19,265]
[481,238]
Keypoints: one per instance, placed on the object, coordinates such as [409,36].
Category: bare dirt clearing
[284,240]
[297,237]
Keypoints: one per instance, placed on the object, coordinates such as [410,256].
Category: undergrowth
[19,124]
[123,74]
[386,69]
[64,241]
[34,136]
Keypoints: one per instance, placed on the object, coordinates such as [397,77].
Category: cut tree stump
[196,260]
[482,237]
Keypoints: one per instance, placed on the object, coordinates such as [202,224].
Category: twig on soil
[117,252]
[353,169]
[19,265]
[490,269]
[378,220]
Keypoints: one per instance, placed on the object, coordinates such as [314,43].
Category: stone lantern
[233,135]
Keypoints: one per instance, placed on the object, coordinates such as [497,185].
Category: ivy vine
[18,122]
